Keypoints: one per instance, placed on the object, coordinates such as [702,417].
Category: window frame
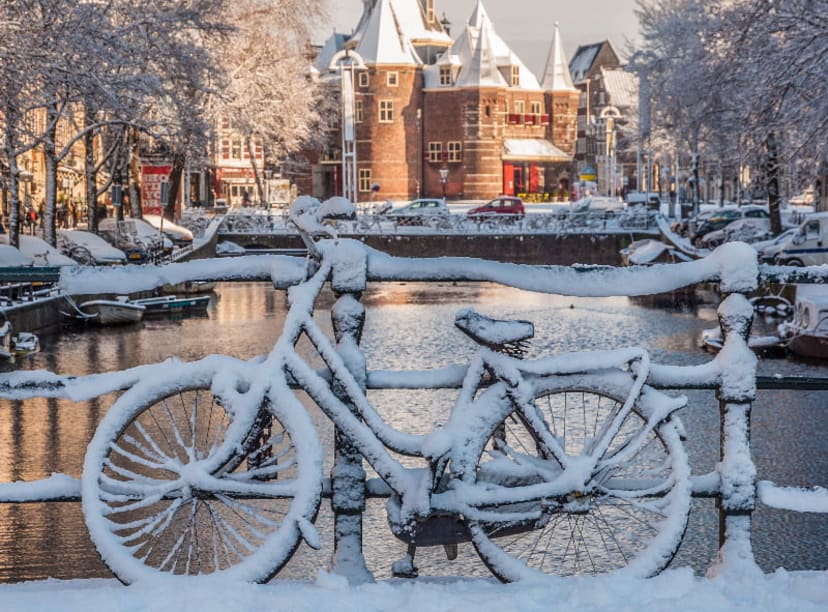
[364,180]
[435,152]
[386,110]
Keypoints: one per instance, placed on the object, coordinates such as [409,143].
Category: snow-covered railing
[352,265]
[559,222]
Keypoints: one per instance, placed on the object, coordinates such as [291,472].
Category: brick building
[430,114]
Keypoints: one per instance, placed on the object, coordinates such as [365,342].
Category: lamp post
[117,197]
[443,180]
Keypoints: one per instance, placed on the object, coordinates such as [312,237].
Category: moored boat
[806,334]
[171,303]
[765,346]
[189,287]
[111,312]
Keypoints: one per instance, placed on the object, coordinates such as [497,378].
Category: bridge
[561,238]
[734,482]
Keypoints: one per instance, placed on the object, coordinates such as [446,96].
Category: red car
[501,205]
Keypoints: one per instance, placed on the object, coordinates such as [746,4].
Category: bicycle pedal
[451,551]
[404,568]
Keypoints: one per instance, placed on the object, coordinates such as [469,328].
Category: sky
[526,25]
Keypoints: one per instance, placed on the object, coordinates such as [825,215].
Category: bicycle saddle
[494,333]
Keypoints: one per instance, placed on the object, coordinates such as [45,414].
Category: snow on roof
[477,53]
[335,42]
[622,87]
[412,22]
[556,76]
[481,70]
[532,149]
[582,61]
[382,40]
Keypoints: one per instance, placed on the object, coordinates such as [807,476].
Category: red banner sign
[151,179]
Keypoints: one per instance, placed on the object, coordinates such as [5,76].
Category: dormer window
[445,75]
[515,78]
[430,15]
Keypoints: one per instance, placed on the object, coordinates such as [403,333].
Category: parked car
[808,245]
[135,237]
[770,248]
[40,252]
[501,205]
[88,248]
[650,200]
[722,217]
[419,212]
[179,235]
[749,229]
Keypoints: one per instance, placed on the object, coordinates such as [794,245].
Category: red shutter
[508,178]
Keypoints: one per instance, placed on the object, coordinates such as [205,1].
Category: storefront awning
[533,149]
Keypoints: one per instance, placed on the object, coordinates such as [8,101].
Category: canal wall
[537,249]
[44,316]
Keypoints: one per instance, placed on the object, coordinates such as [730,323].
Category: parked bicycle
[557,465]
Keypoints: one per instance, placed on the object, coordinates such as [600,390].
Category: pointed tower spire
[381,41]
[556,76]
[481,70]
[479,15]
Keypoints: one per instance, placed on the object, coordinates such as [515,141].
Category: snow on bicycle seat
[493,333]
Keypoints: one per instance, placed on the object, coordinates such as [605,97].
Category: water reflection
[409,326]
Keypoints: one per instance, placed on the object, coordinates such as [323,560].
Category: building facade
[434,115]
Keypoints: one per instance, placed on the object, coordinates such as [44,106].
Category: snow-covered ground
[672,591]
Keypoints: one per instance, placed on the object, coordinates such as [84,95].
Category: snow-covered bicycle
[564,465]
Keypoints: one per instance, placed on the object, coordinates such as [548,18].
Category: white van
[809,245]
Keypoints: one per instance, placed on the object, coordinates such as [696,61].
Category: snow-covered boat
[111,312]
[806,334]
[6,347]
[171,303]
[11,344]
[189,287]
[766,346]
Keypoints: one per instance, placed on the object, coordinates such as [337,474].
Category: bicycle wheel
[166,491]
[631,515]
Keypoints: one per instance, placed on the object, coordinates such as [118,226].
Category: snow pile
[672,591]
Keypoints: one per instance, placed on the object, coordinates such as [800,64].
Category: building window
[386,111]
[365,179]
[535,111]
[435,152]
[515,80]
[359,111]
[455,151]
[580,146]
[363,78]
[235,148]
[520,107]
[445,75]
[392,79]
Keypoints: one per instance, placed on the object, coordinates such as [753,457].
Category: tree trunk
[134,177]
[772,175]
[14,190]
[694,160]
[168,207]
[91,174]
[256,176]
[47,222]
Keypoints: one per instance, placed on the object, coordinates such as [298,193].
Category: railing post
[348,474]
[737,471]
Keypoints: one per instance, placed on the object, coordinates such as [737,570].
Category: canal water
[409,326]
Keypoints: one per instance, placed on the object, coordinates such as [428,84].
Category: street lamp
[444,179]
